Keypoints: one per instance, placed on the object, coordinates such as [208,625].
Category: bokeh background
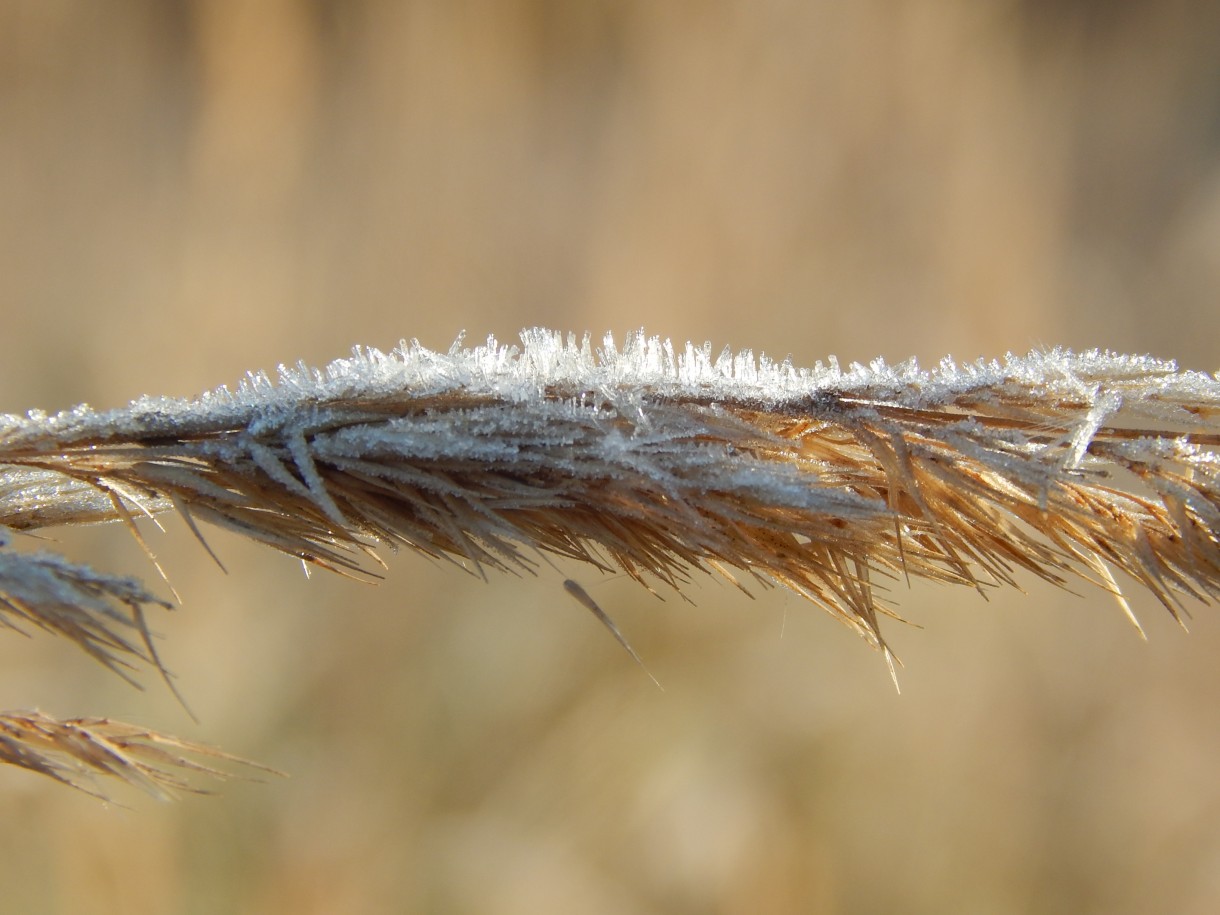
[190,190]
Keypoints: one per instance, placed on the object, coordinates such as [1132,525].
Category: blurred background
[190,190]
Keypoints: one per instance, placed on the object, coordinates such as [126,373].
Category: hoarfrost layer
[550,365]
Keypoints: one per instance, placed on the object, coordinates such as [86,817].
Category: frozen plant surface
[649,458]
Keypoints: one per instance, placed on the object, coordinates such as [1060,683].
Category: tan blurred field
[192,190]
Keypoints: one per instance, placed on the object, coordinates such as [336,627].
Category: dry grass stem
[659,462]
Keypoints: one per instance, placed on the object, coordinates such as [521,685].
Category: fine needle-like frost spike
[577,591]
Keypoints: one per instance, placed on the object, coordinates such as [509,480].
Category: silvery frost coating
[659,461]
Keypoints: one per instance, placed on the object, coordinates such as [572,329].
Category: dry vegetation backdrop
[192,190]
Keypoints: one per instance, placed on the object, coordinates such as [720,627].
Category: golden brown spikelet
[77,751]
